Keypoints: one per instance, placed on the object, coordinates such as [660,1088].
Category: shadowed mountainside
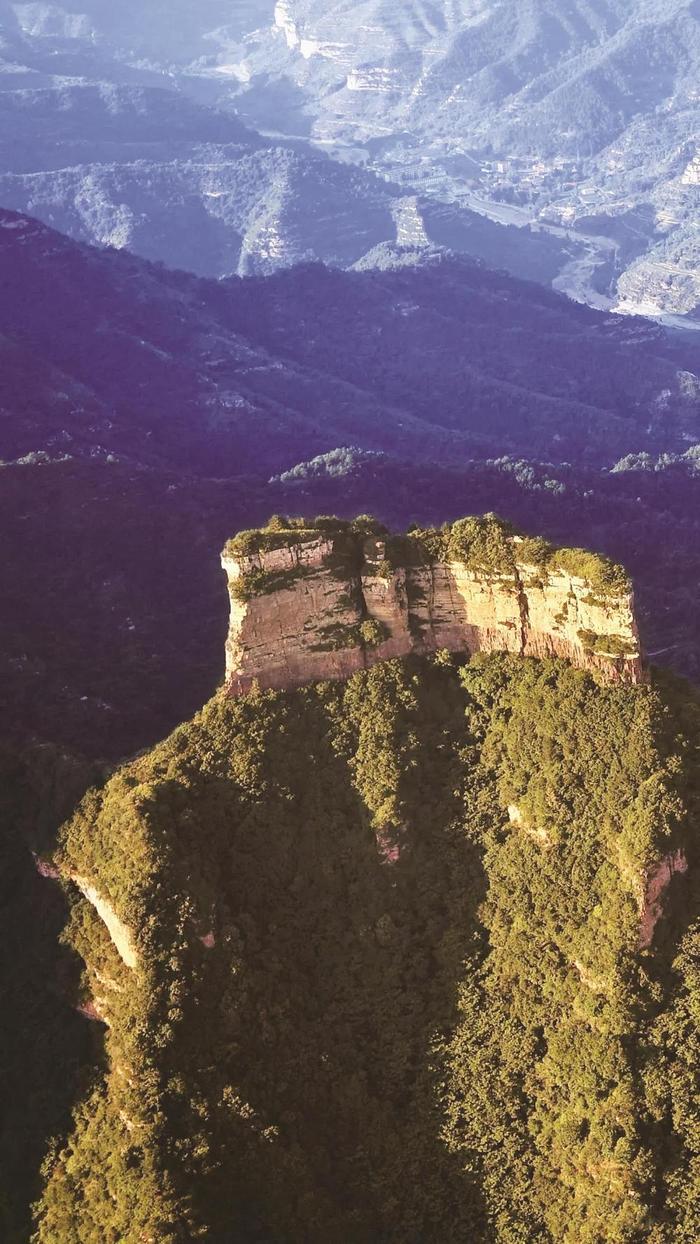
[105,353]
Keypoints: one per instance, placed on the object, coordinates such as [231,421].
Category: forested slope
[387,972]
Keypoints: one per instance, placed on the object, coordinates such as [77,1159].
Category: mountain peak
[321,600]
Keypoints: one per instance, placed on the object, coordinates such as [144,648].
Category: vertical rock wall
[302,614]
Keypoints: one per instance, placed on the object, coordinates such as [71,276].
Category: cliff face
[322,608]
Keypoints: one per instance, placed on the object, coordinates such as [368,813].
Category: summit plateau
[313,602]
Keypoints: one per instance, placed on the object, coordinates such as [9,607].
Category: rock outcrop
[654,892]
[120,933]
[323,604]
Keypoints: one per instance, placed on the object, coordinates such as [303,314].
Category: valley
[119,151]
[431,101]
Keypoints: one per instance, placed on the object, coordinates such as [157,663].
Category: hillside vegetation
[389,983]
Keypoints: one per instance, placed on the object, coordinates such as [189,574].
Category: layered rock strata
[306,611]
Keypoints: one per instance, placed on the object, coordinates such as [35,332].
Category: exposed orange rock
[275,637]
[655,887]
[303,622]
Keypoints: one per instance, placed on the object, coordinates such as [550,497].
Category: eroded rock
[300,613]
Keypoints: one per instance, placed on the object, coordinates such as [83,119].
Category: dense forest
[390,968]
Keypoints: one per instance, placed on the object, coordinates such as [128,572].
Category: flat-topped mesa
[312,601]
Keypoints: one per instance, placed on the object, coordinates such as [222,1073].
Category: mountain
[582,116]
[387,928]
[108,354]
[408,955]
[131,360]
[573,127]
[173,31]
[130,29]
[109,148]
[132,401]
[113,628]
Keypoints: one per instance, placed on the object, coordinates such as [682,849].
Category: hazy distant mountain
[99,139]
[586,114]
[582,117]
[159,28]
[150,170]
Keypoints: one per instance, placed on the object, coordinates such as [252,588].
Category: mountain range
[106,353]
[113,150]
[388,929]
[581,115]
[435,124]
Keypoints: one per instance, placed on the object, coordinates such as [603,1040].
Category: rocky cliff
[310,603]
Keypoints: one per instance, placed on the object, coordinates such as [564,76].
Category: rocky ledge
[326,599]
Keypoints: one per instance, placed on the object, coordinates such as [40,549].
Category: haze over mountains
[585,114]
[581,116]
[106,146]
[578,119]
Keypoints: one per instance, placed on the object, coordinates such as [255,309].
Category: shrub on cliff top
[421,545]
[281,530]
[534,551]
[604,575]
[482,542]
[275,536]
[485,544]
[365,525]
